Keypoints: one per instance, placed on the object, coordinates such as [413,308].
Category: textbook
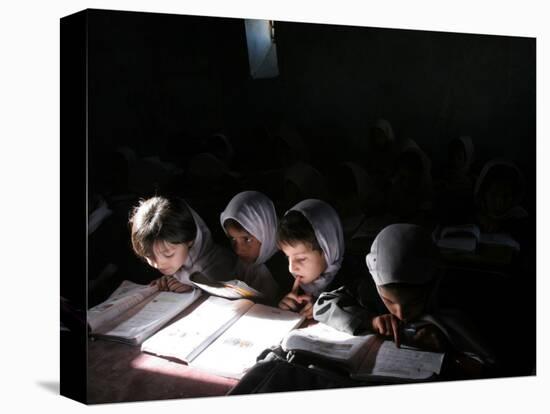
[368,357]
[134,312]
[463,237]
[468,239]
[230,289]
[223,336]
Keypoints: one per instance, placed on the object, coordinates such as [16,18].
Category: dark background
[159,83]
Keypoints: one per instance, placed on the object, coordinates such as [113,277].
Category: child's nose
[240,248]
[399,312]
[292,266]
[160,262]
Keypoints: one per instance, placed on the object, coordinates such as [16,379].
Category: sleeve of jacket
[341,310]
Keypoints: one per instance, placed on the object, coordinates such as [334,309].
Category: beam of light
[262,52]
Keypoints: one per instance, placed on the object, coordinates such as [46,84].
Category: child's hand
[170,284]
[430,338]
[307,309]
[387,325]
[161,283]
[292,300]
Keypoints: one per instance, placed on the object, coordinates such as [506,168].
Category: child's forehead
[296,247]
[402,293]
[163,245]
[236,231]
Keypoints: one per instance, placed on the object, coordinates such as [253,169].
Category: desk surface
[118,372]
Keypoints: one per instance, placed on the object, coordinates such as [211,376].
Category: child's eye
[248,239]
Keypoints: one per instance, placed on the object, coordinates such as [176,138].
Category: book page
[463,230]
[401,363]
[231,289]
[141,321]
[236,350]
[187,337]
[325,341]
[500,239]
[458,243]
[126,296]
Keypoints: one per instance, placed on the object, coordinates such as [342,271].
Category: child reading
[250,222]
[498,193]
[404,265]
[171,237]
[310,235]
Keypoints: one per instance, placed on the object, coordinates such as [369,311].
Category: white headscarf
[363,181]
[386,127]
[516,211]
[330,236]
[256,213]
[204,256]
[468,146]
[403,253]
[425,188]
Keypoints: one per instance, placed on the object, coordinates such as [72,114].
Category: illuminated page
[407,363]
[143,320]
[236,350]
[322,340]
[126,296]
[187,337]
[231,289]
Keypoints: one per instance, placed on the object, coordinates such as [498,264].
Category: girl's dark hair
[233,223]
[160,218]
[295,228]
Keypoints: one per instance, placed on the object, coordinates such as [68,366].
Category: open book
[231,289]
[368,357]
[222,336]
[468,238]
[134,312]
[463,237]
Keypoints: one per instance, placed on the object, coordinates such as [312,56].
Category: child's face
[245,245]
[457,156]
[167,257]
[499,198]
[304,263]
[405,304]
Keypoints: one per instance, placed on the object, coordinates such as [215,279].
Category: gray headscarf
[516,211]
[403,253]
[256,213]
[204,255]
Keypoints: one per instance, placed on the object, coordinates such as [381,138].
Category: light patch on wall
[262,51]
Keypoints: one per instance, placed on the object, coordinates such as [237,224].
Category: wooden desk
[119,372]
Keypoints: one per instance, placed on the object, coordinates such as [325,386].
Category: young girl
[172,238]
[410,195]
[454,191]
[250,222]
[404,265]
[310,235]
[498,193]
